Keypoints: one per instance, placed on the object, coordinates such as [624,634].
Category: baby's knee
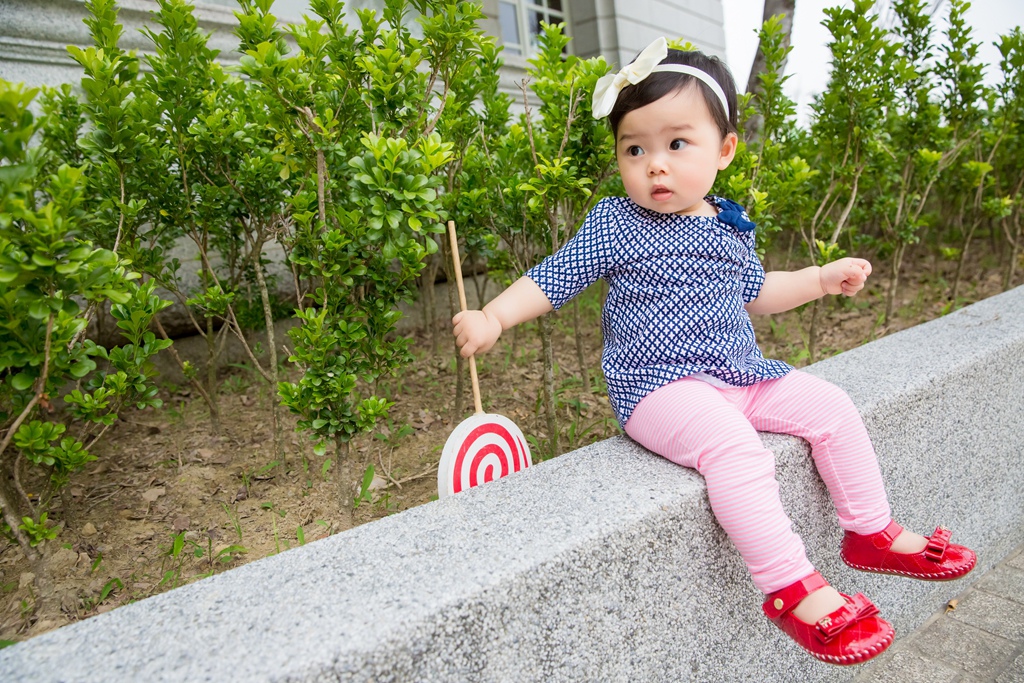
[828,398]
[754,462]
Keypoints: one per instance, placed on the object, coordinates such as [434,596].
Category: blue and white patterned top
[677,286]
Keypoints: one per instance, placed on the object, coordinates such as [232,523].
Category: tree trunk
[12,515]
[894,279]
[460,363]
[45,595]
[346,493]
[193,379]
[545,328]
[1011,266]
[812,334]
[580,355]
[960,262]
[211,377]
[771,7]
[268,318]
[480,280]
[427,296]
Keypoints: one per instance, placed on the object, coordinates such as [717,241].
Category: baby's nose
[656,165]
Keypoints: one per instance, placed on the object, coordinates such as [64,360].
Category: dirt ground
[168,502]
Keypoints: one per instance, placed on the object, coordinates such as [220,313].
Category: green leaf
[82,368]
[22,381]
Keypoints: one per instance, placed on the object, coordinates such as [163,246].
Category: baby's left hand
[845,276]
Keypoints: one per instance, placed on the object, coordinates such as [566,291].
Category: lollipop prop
[484,446]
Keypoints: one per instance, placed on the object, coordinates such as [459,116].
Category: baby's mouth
[660,193]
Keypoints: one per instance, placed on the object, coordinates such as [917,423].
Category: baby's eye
[677,144]
[634,150]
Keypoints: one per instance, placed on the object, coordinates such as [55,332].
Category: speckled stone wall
[602,565]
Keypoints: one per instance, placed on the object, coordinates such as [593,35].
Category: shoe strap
[883,539]
[785,599]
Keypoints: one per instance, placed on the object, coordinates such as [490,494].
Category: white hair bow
[608,87]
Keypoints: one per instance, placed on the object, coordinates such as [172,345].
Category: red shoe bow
[858,607]
[937,544]
[850,635]
[939,561]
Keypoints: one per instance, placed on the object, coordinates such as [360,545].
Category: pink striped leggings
[714,430]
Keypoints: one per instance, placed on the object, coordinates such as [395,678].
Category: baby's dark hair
[662,83]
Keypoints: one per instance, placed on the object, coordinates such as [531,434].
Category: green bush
[52,280]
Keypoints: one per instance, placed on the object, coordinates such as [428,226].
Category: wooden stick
[462,302]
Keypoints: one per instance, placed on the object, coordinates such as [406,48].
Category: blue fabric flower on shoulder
[731,213]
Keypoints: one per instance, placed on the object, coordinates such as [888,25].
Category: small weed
[223,556]
[26,607]
[300,532]
[235,521]
[173,556]
[365,495]
[579,434]
[235,384]
[38,532]
[177,414]
[90,603]
[385,503]
[539,450]
[392,437]
[800,356]
[273,521]
[270,507]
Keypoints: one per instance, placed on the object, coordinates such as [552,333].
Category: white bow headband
[610,85]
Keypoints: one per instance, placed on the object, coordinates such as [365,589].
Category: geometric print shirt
[676,290]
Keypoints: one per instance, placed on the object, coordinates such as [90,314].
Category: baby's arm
[783,290]
[477,331]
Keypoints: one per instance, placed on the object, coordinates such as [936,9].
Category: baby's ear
[728,151]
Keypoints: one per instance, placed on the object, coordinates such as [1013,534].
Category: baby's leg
[821,413]
[824,415]
[700,426]
[691,423]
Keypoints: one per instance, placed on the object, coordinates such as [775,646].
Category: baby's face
[669,153]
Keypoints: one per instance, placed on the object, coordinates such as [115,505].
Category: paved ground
[981,640]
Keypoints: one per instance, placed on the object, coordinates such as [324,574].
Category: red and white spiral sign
[484,447]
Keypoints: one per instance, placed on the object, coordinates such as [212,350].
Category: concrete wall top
[604,564]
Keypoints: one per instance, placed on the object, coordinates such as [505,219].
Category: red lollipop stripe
[474,466]
[517,454]
[521,456]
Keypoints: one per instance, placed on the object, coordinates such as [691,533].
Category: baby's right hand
[475,332]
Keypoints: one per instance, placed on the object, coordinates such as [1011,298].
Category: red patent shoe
[850,635]
[939,561]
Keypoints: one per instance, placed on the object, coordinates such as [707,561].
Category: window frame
[525,49]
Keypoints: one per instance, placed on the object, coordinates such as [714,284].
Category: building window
[520,22]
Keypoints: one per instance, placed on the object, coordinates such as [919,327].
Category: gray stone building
[34,34]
